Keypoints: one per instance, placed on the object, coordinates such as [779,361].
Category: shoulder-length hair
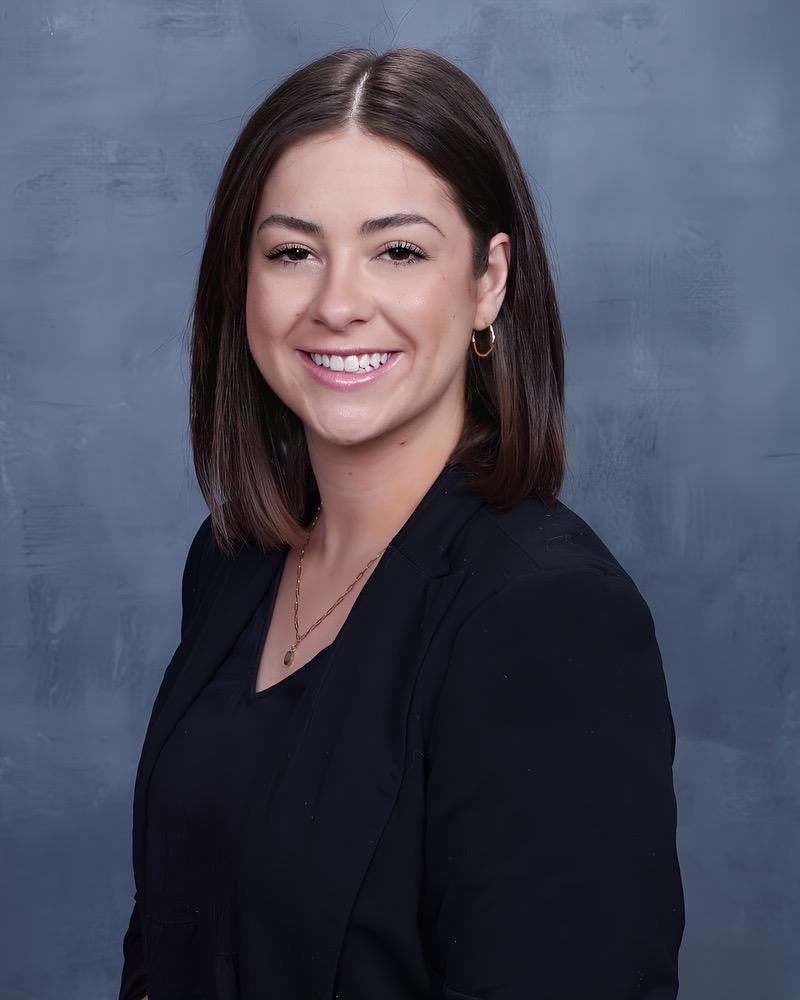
[249,448]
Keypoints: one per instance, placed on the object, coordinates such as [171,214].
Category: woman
[415,741]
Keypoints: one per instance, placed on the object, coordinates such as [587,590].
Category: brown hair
[249,448]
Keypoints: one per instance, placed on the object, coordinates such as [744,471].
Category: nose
[342,297]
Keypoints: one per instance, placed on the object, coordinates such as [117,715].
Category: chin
[347,441]
[343,437]
[367,431]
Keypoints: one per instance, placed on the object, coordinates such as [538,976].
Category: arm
[550,832]
[133,985]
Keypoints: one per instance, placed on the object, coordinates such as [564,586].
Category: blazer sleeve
[133,984]
[551,817]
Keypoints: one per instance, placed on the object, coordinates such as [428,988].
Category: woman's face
[335,270]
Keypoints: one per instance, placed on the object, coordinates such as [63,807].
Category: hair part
[249,448]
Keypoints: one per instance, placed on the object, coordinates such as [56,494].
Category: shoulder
[200,550]
[201,544]
[578,633]
[553,623]
[546,557]
[538,536]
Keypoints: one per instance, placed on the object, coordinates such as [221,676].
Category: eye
[403,248]
[409,253]
[278,252]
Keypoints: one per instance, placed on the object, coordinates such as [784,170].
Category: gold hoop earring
[484,354]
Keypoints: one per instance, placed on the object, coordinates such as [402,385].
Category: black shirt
[208,772]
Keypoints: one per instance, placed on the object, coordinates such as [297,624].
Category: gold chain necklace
[288,656]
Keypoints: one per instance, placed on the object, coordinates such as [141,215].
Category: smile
[350,362]
[349,370]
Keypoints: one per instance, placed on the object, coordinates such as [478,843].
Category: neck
[368,493]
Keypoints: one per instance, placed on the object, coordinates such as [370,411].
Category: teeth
[351,362]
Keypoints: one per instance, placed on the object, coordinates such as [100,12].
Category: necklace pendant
[288,656]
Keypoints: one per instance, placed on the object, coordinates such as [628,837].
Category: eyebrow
[367,228]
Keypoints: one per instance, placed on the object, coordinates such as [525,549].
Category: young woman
[415,741]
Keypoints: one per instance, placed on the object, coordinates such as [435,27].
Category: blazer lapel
[312,829]
[229,602]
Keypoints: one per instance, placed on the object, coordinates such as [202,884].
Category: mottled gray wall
[659,139]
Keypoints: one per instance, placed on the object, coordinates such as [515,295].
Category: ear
[492,284]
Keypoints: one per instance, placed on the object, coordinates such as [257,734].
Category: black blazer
[479,804]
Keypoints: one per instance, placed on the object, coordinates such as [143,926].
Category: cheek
[264,317]
[268,314]
[254,299]
[439,330]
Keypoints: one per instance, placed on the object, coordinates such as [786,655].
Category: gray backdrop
[659,140]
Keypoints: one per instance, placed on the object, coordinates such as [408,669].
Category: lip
[352,350]
[347,380]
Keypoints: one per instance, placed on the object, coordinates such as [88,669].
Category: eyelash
[417,253]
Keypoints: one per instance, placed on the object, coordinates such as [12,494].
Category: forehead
[352,169]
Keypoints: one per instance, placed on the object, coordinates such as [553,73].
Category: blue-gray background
[660,143]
